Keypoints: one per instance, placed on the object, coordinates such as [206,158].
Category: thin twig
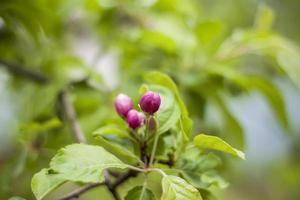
[24,72]
[112,186]
[76,193]
[71,117]
[124,177]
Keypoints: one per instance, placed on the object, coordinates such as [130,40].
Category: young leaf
[169,112]
[175,188]
[215,143]
[122,153]
[44,182]
[84,163]
[140,193]
[164,80]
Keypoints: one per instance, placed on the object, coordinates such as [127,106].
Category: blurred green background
[237,64]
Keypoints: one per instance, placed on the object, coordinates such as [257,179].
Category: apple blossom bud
[150,102]
[135,119]
[123,104]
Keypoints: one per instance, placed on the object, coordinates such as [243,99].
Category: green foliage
[16,198]
[215,143]
[200,169]
[45,181]
[123,154]
[175,188]
[86,163]
[164,80]
[78,163]
[139,193]
[197,61]
[169,113]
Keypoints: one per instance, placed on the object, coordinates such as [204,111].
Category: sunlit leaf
[215,143]
[264,18]
[44,182]
[175,188]
[84,163]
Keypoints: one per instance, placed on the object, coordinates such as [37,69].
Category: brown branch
[124,177]
[76,193]
[112,186]
[22,71]
[71,117]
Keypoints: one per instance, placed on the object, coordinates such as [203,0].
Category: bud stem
[154,149]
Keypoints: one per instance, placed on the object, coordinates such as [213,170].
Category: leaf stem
[157,170]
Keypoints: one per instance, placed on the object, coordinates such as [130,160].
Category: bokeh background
[237,64]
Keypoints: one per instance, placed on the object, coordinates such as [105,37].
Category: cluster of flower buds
[149,104]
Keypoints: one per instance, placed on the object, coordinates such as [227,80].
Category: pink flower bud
[135,119]
[150,102]
[123,104]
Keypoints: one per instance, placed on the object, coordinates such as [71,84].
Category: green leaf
[140,193]
[273,96]
[209,32]
[215,143]
[16,198]
[31,130]
[288,58]
[264,18]
[264,86]
[44,182]
[169,112]
[159,40]
[266,44]
[175,188]
[84,163]
[122,153]
[200,169]
[164,80]
[111,129]
[235,135]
